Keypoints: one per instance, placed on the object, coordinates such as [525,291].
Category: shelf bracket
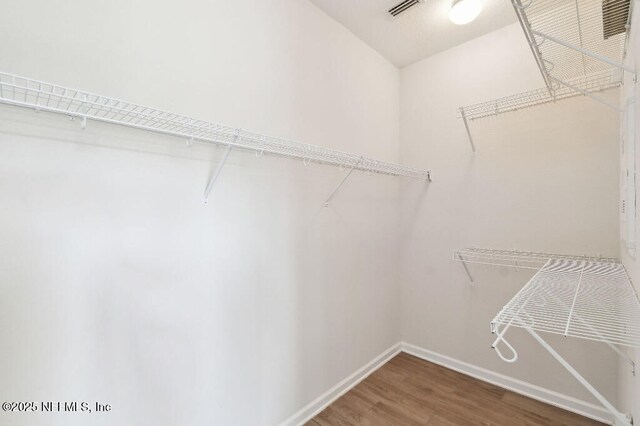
[344,179]
[83,121]
[621,419]
[586,93]
[520,8]
[586,52]
[500,338]
[214,176]
[611,345]
[466,269]
[466,126]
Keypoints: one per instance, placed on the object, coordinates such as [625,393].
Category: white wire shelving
[588,84]
[584,299]
[572,38]
[579,47]
[517,258]
[41,96]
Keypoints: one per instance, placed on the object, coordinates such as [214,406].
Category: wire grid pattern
[598,26]
[26,92]
[583,299]
[591,84]
[518,259]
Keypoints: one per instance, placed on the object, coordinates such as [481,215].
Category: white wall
[544,179]
[629,387]
[119,286]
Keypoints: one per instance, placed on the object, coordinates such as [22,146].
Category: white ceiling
[421,31]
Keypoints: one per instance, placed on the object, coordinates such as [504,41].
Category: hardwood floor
[411,391]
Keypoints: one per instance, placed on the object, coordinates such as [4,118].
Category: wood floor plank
[332,416]
[410,391]
[386,414]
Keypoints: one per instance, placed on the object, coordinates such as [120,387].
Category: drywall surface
[118,286]
[544,179]
[629,387]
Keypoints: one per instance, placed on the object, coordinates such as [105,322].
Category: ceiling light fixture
[464,11]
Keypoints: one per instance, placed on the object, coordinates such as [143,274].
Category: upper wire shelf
[42,96]
[579,47]
[519,259]
[575,38]
[581,86]
[583,299]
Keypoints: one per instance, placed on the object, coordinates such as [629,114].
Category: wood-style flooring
[410,391]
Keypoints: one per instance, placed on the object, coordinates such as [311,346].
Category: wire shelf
[519,259]
[572,38]
[590,84]
[583,299]
[41,96]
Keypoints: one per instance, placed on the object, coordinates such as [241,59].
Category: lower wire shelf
[584,299]
[575,298]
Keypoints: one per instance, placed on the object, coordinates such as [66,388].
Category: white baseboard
[547,396]
[565,402]
[309,411]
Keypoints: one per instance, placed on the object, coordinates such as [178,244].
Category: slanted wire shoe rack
[579,47]
[575,296]
[77,104]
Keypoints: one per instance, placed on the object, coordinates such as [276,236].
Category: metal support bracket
[466,126]
[214,176]
[586,52]
[621,418]
[520,6]
[500,339]
[466,269]
[83,122]
[344,179]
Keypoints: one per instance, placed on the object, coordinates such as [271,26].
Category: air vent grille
[615,14]
[403,7]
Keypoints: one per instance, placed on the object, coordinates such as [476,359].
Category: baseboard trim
[547,396]
[309,411]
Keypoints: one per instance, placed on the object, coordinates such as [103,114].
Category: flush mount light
[464,11]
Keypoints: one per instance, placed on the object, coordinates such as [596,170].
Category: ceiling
[422,31]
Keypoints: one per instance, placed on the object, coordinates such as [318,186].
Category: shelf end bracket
[214,176]
[466,126]
[621,419]
[466,269]
[589,53]
[344,179]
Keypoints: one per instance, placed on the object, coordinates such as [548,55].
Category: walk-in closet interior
[319,212]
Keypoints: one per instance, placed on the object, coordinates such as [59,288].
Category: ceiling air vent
[403,7]
[615,14]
